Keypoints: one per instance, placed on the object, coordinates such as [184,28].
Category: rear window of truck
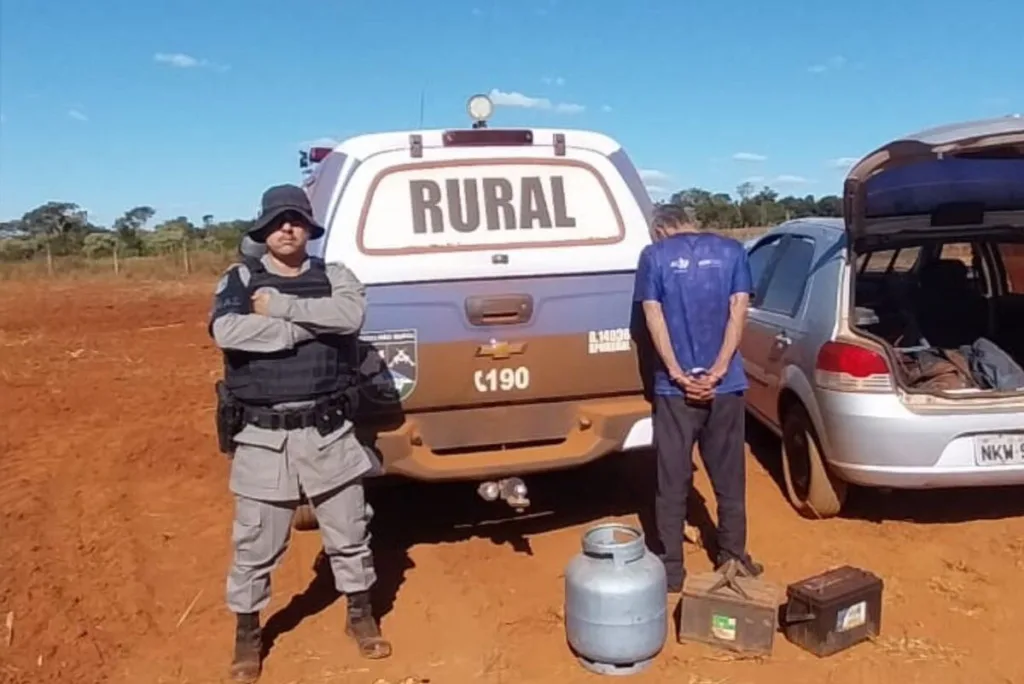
[487,204]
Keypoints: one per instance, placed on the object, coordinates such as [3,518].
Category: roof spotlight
[480,109]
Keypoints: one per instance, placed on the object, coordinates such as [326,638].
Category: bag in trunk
[936,369]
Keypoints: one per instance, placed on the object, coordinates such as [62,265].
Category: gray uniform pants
[261,532]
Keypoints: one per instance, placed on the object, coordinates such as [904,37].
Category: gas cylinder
[615,601]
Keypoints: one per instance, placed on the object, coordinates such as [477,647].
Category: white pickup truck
[499,268]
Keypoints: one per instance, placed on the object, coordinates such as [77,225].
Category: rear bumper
[951,474]
[876,442]
[492,442]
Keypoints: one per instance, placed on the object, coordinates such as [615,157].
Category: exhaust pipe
[511,490]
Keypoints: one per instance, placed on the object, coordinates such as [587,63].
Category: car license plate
[999,450]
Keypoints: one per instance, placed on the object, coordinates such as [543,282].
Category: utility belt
[326,415]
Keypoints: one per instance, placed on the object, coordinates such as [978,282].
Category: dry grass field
[169,267]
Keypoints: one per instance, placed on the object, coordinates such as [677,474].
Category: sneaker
[751,567]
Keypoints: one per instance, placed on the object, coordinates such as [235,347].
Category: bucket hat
[278,201]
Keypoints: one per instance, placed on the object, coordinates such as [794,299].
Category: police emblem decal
[388,362]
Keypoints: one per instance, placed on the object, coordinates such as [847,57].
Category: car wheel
[812,489]
[304,519]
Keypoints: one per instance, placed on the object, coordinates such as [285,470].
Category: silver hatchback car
[885,347]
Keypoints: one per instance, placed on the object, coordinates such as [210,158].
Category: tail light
[845,367]
[318,154]
[495,137]
[313,155]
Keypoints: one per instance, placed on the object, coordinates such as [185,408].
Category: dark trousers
[718,429]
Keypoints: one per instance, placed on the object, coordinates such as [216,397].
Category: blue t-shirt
[692,276]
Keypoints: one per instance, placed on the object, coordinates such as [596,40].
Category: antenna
[422,105]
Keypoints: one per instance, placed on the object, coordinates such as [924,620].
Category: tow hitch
[511,490]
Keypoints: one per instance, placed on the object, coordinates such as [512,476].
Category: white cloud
[182,61]
[842,162]
[831,64]
[606,108]
[2,118]
[501,98]
[653,176]
[657,182]
[749,157]
[77,115]
[788,179]
[784,179]
[319,142]
[553,80]
[177,59]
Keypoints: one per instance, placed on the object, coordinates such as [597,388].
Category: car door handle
[783,340]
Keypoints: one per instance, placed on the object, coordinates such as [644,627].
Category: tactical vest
[310,370]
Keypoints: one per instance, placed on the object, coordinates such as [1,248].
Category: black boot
[361,626]
[247,663]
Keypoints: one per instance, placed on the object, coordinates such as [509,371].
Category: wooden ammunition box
[741,616]
[833,611]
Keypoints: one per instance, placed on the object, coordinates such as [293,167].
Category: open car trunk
[935,227]
[949,312]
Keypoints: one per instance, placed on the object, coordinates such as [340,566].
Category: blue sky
[195,106]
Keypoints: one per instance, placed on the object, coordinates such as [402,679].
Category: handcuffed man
[694,287]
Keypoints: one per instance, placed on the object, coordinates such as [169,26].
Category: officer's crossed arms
[269,321]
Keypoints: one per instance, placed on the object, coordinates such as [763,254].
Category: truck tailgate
[441,345]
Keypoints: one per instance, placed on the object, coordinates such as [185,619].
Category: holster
[230,418]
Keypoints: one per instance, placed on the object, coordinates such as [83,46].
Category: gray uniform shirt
[271,465]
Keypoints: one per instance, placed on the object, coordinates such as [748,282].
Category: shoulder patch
[238,269]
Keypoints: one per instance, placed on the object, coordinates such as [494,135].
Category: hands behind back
[699,389]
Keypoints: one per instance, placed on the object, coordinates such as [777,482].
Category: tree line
[751,207]
[62,229]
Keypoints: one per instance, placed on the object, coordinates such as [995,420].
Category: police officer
[287,324]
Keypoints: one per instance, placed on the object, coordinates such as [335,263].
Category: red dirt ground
[116,518]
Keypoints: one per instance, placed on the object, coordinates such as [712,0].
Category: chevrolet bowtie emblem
[500,350]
